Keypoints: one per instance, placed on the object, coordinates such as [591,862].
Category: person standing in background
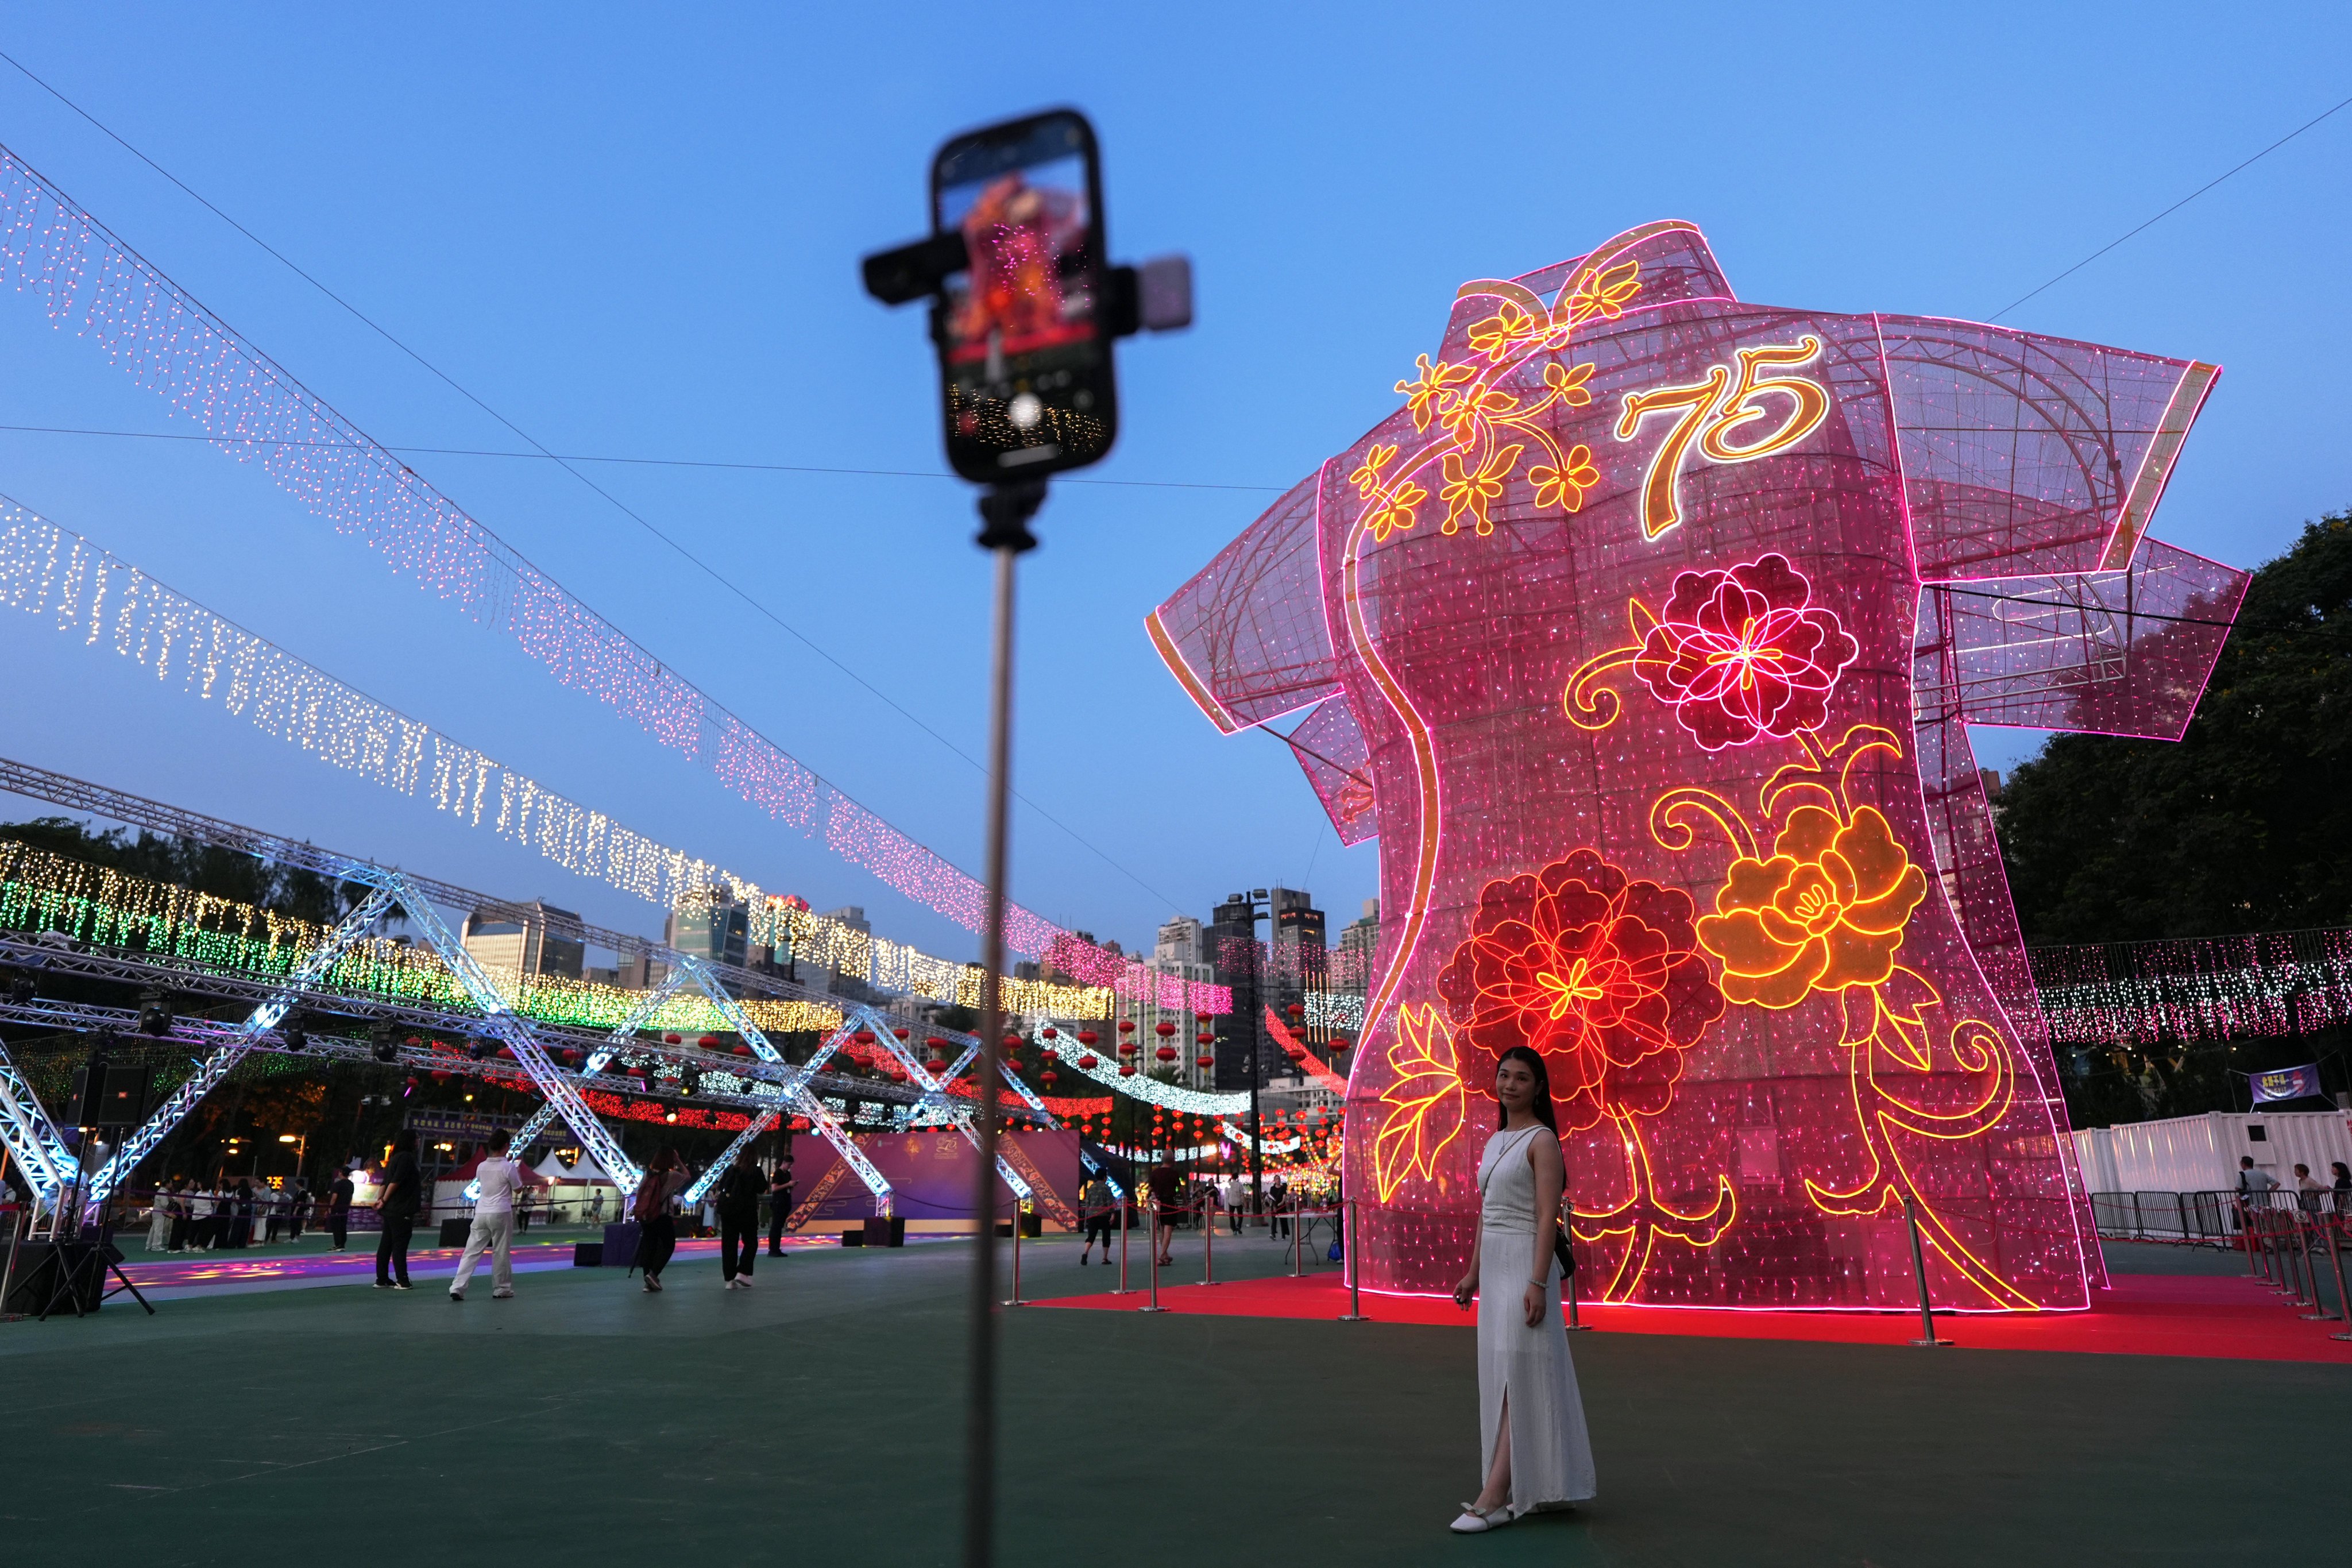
[657,1228]
[1277,1196]
[159,1220]
[1094,1208]
[779,1204]
[398,1207]
[338,1211]
[498,1180]
[737,1198]
[300,1210]
[1233,1197]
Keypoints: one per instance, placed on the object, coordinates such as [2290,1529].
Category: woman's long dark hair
[1542,1105]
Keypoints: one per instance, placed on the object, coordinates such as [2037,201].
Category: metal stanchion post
[1355,1313]
[1919,1270]
[1016,1301]
[1568,1230]
[1296,1207]
[1124,1209]
[1208,1242]
[2304,1220]
[2335,1259]
[1154,1305]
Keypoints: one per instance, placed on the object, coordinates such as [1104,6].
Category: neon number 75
[1710,414]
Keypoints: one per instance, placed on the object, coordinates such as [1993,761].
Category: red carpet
[2145,1314]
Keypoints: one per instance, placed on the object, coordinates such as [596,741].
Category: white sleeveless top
[1507,1180]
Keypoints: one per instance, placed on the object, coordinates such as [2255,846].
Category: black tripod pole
[1006,510]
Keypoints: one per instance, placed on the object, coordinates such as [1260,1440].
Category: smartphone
[1023,331]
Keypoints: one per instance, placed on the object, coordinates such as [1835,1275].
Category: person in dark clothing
[658,1227]
[738,1194]
[1166,1203]
[779,1206]
[298,1210]
[338,1210]
[402,1182]
[241,1225]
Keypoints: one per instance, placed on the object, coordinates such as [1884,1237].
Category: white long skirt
[1552,1454]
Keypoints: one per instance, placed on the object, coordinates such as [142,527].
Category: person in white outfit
[1532,1445]
[493,1220]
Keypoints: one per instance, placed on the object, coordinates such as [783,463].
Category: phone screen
[1023,341]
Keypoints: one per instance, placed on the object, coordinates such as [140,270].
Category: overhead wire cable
[2168,212]
[543,451]
[640,462]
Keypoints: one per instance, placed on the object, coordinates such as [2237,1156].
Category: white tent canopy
[553,1169]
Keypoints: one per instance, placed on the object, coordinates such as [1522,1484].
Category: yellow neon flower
[1564,487]
[1605,293]
[1428,394]
[1367,478]
[1395,513]
[1496,335]
[1427,1104]
[1567,383]
[1472,493]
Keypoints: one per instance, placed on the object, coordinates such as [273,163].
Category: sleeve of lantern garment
[2114,653]
[2024,455]
[1246,638]
[1330,748]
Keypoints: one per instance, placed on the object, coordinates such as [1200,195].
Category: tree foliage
[2243,824]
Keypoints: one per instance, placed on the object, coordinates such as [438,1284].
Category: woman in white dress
[1532,1445]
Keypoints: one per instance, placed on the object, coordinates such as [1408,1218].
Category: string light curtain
[2208,988]
[83,276]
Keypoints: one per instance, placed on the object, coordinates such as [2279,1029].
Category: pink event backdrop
[930,1176]
[167,342]
[1653,620]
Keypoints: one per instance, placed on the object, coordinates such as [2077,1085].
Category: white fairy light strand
[253,409]
[85,590]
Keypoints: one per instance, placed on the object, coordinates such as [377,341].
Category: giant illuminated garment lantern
[1643,636]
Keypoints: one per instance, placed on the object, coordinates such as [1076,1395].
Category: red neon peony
[1600,973]
[1745,653]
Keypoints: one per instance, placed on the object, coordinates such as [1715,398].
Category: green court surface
[816,1419]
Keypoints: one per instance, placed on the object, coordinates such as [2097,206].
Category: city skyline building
[524,948]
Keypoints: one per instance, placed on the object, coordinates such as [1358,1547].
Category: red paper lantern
[440,1076]
[1205,1060]
[708,1042]
[1126,1025]
[863,1037]
[1204,1038]
[1167,1053]
[1088,1062]
[1012,1039]
[1127,1069]
[743,1050]
[1052,1076]
[671,1039]
[1086,1037]
[1046,1033]
[936,1064]
[936,1044]
[1163,1028]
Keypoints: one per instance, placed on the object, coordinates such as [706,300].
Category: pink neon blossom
[1745,653]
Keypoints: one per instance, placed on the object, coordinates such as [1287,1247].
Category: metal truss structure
[776,1086]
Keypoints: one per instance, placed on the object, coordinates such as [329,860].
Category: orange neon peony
[1826,911]
[1601,974]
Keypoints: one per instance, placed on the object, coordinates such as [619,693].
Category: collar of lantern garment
[1644,632]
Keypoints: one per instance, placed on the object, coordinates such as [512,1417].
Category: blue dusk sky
[635,232]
